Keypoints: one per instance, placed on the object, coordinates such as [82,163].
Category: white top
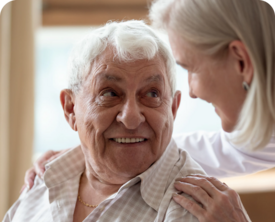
[220,158]
[147,197]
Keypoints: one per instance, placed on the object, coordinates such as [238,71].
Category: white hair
[211,25]
[131,40]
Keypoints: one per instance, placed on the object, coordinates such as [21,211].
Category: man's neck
[93,184]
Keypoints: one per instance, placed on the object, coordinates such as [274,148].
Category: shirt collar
[154,181]
[65,167]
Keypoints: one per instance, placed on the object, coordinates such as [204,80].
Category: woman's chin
[228,127]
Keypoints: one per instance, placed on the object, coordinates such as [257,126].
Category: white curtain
[16,97]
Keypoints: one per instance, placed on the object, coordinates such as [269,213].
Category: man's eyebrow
[154,78]
[109,77]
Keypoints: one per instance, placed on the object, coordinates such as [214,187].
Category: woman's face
[216,81]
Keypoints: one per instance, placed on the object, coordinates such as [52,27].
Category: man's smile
[129,140]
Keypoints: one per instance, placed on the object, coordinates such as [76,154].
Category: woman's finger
[203,183]
[191,206]
[196,192]
[218,184]
[29,178]
[39,165]
[52,158]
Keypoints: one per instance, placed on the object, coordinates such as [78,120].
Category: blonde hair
[211,25]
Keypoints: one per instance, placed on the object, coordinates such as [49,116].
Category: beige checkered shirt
[147,197]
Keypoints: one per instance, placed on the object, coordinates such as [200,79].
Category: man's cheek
[100,124]
[159,121]
[93,118]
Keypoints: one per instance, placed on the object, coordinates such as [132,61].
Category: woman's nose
[191,94]
[131,115]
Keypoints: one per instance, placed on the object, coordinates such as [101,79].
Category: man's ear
[244,64]
[67,100]
[176,103]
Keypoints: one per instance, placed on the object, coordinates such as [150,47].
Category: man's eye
[152,94]
[110,94]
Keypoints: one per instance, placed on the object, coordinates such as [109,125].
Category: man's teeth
[129,140]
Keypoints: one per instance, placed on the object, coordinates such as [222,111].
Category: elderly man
[122,102]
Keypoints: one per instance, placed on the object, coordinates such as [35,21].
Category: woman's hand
[218,201]
[39,167]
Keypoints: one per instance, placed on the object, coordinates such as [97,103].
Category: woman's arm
[212,150]
[220,158]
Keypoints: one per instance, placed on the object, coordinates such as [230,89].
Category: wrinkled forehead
[111,55]
[109,67]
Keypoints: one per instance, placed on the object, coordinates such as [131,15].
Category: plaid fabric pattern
[147,197]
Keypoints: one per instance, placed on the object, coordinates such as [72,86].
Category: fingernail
[28,187]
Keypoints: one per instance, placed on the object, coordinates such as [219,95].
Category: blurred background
[36,37]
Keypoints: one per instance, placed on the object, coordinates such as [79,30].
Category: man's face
[124,116]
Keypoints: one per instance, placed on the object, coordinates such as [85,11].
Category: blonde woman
[228,48]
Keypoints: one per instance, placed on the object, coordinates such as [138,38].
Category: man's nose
[131,115]
[191,94]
